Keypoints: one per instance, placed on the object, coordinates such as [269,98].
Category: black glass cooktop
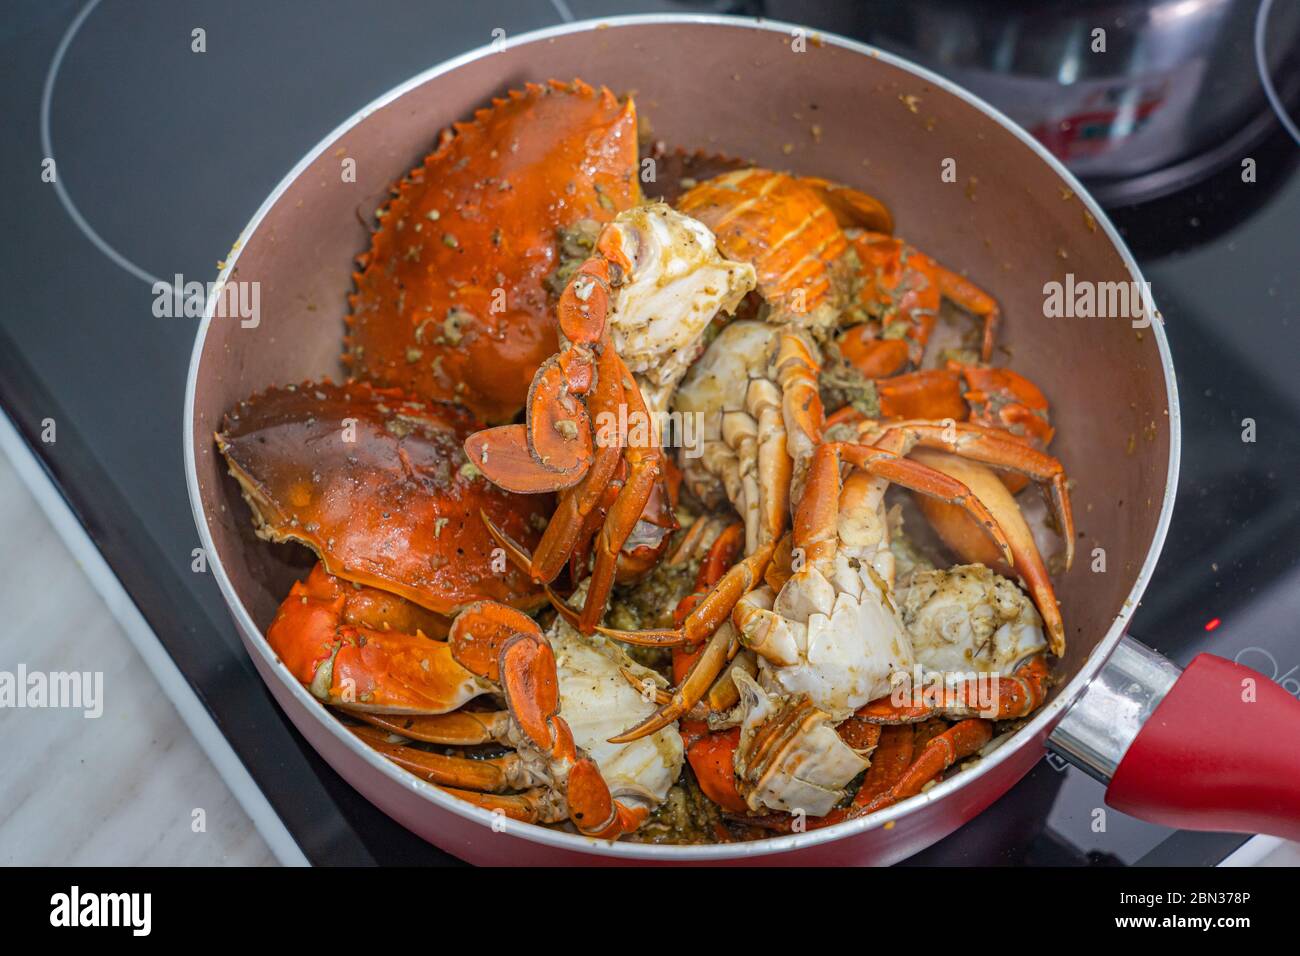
[163,153]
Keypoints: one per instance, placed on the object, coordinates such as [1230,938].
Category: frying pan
[1214,748]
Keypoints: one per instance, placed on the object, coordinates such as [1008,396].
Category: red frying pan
[1216,747]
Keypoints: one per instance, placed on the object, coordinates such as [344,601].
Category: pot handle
[1216,747]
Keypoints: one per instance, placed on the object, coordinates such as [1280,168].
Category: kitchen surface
[162,154]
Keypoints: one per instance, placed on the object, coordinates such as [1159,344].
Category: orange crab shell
[376,646]
[378,486]
[451,301]
[785,230]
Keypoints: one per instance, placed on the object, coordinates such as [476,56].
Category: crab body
[451,299]
[377,485]
[344,645]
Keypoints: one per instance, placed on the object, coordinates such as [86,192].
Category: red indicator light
[1212,624]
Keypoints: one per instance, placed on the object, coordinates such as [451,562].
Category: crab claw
[503,645]
[503,455]
[350,647]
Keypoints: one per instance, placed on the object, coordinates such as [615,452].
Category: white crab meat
[598,702]
[839,641]
[968,618]
[677,284]
[789,757]
[741,450]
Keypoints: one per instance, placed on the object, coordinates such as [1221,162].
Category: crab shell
[451,301]
[378,486]
[787,231]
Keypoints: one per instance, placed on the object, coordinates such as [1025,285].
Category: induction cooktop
[162,153]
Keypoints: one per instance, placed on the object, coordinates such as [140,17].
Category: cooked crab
[377,485]
[562,696]
[452,301]
[631,317]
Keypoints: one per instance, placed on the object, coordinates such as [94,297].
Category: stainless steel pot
[1166,93]
[1014,220]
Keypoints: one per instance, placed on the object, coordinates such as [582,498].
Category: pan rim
[1036,730]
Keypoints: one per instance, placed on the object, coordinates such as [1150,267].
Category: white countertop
[119,789]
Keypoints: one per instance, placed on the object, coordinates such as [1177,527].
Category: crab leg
[493,775]
[537,805]
[712,757]
[455,729]
[1012,696]
[987,445]
[956,743]
[975,301]
[994,397]
[643,464]
[920,478]
[889,762]
[797,368]
[690,691]
[722,554]
[712,610]
[580,558]
[708,617]
[722,694]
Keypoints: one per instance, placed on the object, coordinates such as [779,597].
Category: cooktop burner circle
[47,99]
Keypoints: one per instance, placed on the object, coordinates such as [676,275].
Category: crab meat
[835,637]
[677,283]
[598,701]
[789,757]
[968,618]
[980,649]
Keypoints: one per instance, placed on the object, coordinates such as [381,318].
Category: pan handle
[1214,747]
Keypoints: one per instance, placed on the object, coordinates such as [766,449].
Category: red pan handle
[1221,751]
